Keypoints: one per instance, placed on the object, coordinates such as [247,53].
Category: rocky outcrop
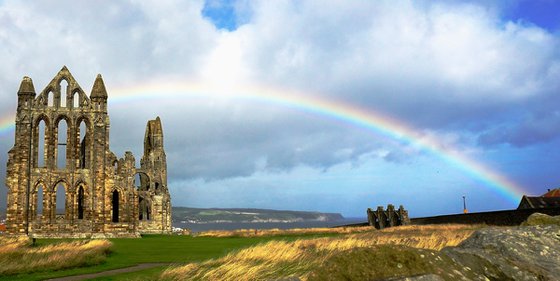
[541,219]
[527,252]
[518,253]
[493,253]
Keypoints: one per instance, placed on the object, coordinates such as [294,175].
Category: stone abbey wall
[62,178]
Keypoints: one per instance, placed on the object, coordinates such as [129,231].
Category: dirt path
[139,267]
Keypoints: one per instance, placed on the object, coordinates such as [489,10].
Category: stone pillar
[403,216]
[381,218]
[371,217]
[391,220]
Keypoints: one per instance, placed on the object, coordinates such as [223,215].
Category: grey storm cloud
[532,130]
[212,142]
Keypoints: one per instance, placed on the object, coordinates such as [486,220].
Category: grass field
[245,255]
[301,258]
[151,248]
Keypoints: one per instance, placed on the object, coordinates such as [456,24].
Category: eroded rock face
[494,253]
[541,219]
[519,253]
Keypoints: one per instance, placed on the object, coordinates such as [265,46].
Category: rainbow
[367,119]
[7,124]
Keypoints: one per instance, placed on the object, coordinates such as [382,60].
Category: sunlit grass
[234,255]
[176,249]
[18,255]
[276,259]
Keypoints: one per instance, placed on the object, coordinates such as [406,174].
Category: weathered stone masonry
[62,150]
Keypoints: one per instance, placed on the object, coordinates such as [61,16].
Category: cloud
[457,71]
[532,130]
[402,58]
[435,66]
[216,140]
[125,40]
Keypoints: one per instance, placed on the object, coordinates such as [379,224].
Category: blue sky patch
[221,13]
[543,13]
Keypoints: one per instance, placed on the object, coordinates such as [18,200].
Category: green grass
[157,248]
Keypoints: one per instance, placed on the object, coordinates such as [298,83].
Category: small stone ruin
[387,218]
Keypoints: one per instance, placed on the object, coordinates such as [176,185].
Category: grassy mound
[314,258]
[382,262]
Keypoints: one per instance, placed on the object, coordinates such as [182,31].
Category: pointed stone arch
[38,200]
[59,202]
[41,132]
[50,98]
[115,205]
[80,201]
[82,141]
[76,100]
[157,187]
[63,91]
[61,137]
[79,98]
[41,117]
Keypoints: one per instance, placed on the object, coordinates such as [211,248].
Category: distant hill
[216,215]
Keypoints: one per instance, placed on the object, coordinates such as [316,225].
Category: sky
[332,106]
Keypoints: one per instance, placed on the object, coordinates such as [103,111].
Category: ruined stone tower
[64,181]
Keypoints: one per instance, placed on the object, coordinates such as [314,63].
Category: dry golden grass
[276,231]
[277,259]
[432,237]
[17,255]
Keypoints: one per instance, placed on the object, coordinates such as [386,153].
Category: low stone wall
[507,217]
[86,235]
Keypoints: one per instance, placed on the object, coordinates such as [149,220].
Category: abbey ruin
[62,178]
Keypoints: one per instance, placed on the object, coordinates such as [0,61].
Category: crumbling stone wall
[62,150]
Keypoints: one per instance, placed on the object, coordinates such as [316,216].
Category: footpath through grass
[161,249]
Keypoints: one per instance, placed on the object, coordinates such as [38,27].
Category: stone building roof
[552,193]
[98,90]
[26,86]
[528,202]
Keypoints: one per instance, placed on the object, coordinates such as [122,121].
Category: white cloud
[462,52]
